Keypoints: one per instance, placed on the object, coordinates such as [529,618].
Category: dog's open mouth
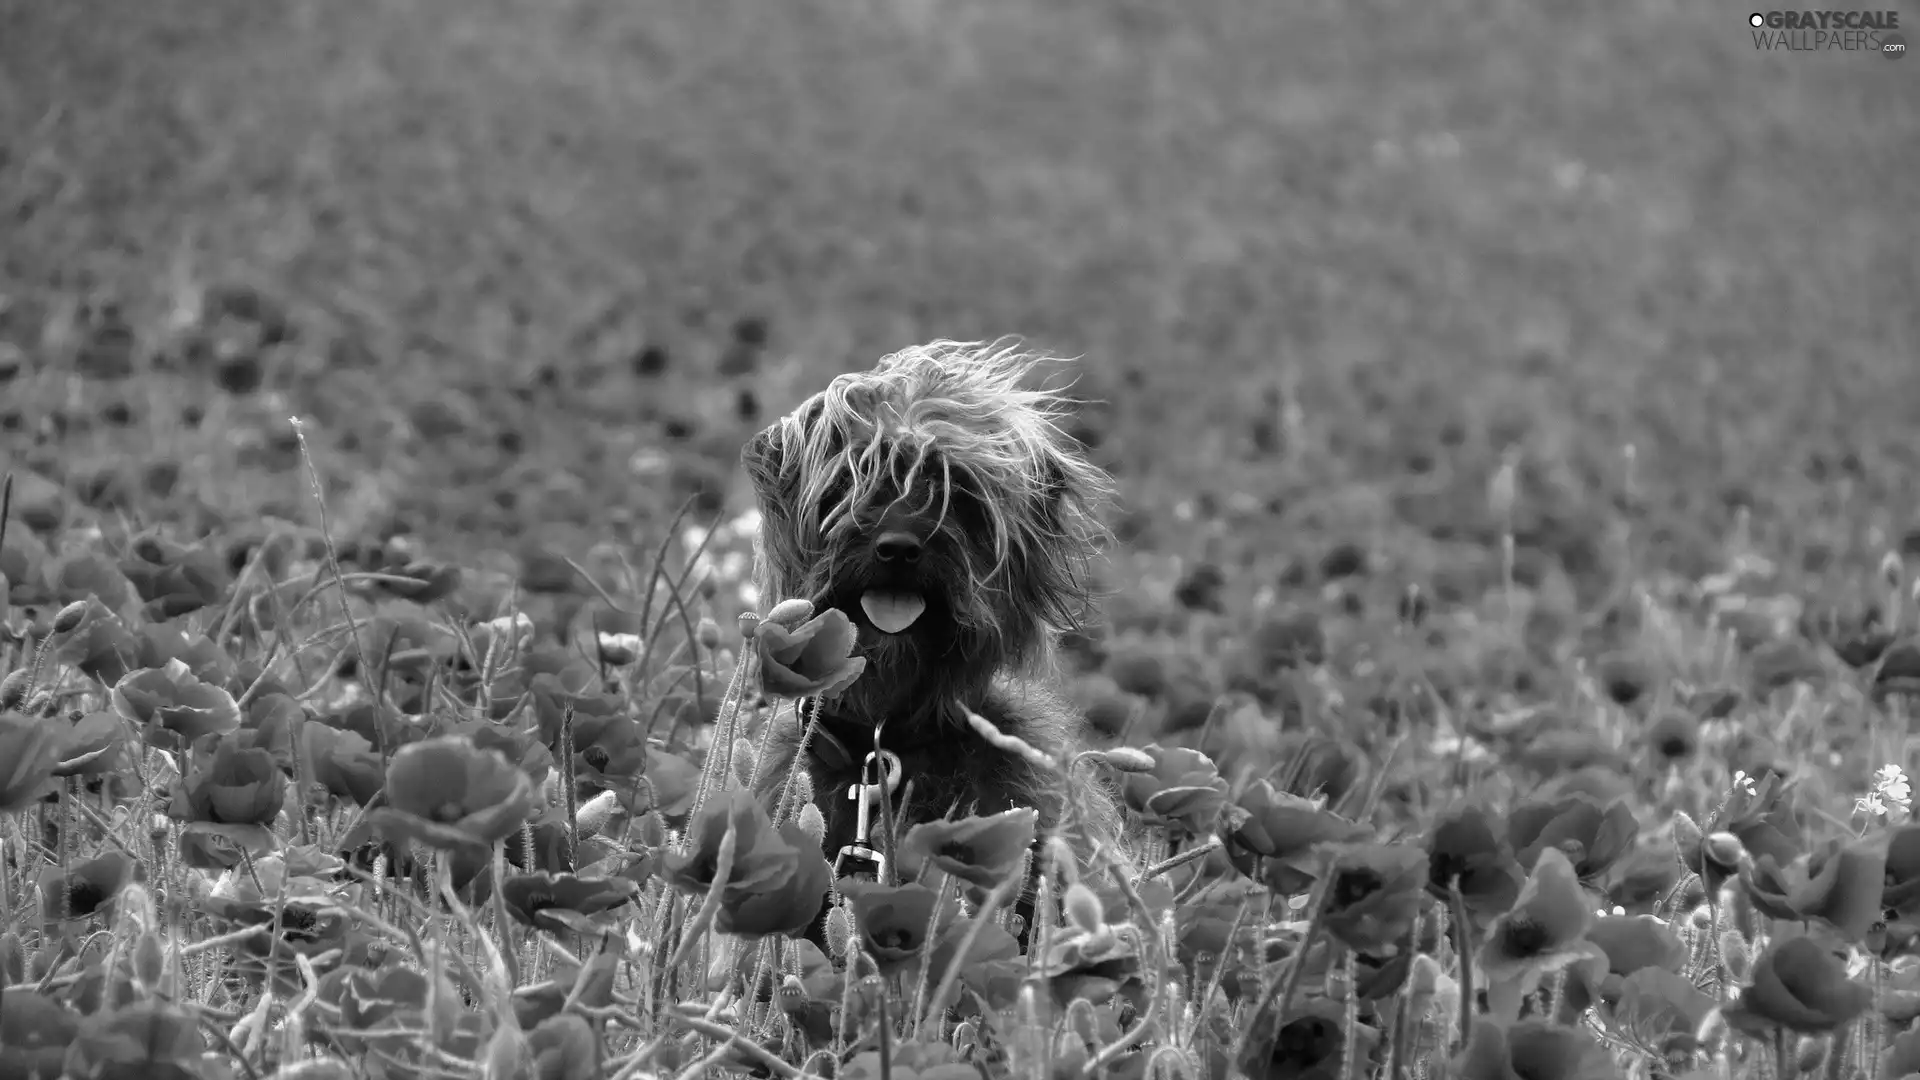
[892,612]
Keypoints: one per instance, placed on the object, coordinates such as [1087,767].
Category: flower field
[1509,646]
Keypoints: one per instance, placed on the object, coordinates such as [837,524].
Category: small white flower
[1744,782]
[1891,789]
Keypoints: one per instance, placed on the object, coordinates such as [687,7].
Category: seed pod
[1083,908]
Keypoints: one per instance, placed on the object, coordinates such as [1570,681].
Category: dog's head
[935,502]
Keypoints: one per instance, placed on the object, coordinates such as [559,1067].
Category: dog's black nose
[897,547]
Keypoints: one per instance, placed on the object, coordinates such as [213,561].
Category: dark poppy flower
[1672,739]
[88,888]
[762,859]
[172,579]
[285,890]
[1096,965]
[520,748]
[891,921]
[161,643]
[1659,1008]
[1759,815]
[553,699]
[447,793]
[170,707]
[1839,884]
[564,1047]
[1646,877]
[1545,932]
[29,751]
[343,763]
[911,1061]
[146,1039]
[608,751]
[1591,836]
[787,908]
[813,659]
[1902,889]
[1184,790]
[227,783]
[1288,833]
[534,899]
[1465,849]
[35,1031]
[1310,1044]
[1376,894]
[1533,1049]
[90,576]
[1799,985]
[91,746]
[101,647]
[671,784]
[1901,1059]
[1629,943]
[983,851]
[384,1008]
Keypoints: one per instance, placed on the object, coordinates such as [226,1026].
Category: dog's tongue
[892,612]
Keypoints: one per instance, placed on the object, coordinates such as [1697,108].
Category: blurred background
[532,270]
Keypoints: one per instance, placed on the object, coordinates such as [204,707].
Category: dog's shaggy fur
[945,447]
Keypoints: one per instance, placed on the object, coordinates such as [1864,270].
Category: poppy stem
[1288,986]
[1463,951]
[1780,1061]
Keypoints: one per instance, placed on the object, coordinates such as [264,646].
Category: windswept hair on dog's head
[962,414]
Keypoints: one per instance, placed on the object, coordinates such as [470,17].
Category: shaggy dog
[935,502]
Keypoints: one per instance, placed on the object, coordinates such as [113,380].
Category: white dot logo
[1756,19]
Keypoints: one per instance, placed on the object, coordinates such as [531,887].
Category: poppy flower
[174,580]
[35,1031]
[90,576]
[1629,943]
[1591,836]
[146,1039]
[227,783]
[101,647]
[1840,884]
[447,793]
[814,659]
[343,763]
[533,898]
[1673,738]
[1759,815]
[1465,849]
[1533,1049]
[564,1047]
[384,1008]
[671,784]
[1375,896]
[891,921]
[88,888]
[1900,1060]
[1661,1009]
[911,1061]
[307,926]
[171,707]
[1184,790]
[30,748]
[1285,831]
[1311,1044]
[787,908]
[608,751]
[1799,985]
[1902,888]
[553,698]
[91,746]
[520,748]
[982,851]
[1545,932]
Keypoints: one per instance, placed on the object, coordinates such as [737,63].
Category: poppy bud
[149,960]
[13,688]
[748,623]
[1724,848]
[813,824]
[618,650]
[1129,760]
[788,614]
[803,790]
[708,634]
[1736,954]
[1686,832]
[839,932]
[13,960]
[965,1036]
[1083,908]
[69,618]
[743,762]
[1812,1055]
[1082,1021]
[1702,917]
[594,814]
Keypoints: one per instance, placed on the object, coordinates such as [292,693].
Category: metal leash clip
[880,778]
